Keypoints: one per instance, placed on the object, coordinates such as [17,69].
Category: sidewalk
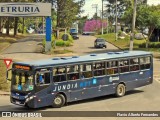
[2,93]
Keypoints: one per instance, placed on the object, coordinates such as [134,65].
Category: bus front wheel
[120,90]
[58,101]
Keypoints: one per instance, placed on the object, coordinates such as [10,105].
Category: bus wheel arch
[59,100]
[120,89]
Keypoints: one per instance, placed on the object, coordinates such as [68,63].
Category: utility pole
[95,6]
[116,22]
[133,25]
[102,18]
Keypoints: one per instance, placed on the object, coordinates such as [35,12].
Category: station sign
[25,9]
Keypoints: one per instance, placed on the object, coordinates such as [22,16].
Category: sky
[90,11]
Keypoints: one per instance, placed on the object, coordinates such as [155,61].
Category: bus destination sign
[22,67]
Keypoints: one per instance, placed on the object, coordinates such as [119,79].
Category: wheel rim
[57,100]
[121,90]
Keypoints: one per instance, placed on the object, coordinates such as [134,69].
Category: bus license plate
[17,102]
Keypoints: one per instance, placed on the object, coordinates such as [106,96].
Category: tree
[93,25]
[148,17]
[122,6]
[67,11]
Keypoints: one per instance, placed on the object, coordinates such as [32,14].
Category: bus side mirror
[9,75]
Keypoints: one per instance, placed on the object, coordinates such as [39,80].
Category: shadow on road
[25,109]
[107,97]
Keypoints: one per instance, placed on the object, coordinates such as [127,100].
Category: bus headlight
[30,98]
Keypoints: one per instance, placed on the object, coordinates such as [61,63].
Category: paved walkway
[29,48]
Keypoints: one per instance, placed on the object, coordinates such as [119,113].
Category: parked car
[100,42]
[74,35]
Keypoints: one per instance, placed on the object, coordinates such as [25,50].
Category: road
[85,45]
[141,99]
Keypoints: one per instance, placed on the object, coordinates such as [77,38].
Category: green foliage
[59,42]
[121,43]
[67,11]
[3,84]
[119,33]
[150,45]
[62,43]
[122,6]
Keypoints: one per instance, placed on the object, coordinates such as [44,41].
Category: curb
[5,94]
[115,45]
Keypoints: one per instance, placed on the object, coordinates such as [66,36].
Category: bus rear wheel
[120,90]
[58,101]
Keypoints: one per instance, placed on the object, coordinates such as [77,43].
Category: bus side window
[59,74]
[134,64]
[112,67]
[86,70]
[123,66]
[73,72]
[43,78]
[145,63]
[99,69]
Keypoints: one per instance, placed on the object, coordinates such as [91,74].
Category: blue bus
[57,81]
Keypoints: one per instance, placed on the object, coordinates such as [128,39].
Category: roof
[85,58]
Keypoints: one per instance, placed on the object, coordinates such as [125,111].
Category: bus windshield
[22,81]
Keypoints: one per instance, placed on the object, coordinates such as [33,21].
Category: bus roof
[85,58]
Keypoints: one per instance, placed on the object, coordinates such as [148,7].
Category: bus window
[59,74]
[43,78]
[99,69]
[22,81]
[145,63]
[112,67]
[72,72]
[86,70]
[123,66]
[134,64]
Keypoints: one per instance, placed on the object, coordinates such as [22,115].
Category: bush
[150,45]
[60,42]
[119,33]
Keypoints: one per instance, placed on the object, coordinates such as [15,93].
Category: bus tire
[120,90]
[58,101]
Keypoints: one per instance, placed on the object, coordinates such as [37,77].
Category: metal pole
[95,6]
[102,18]
[116,21]
[133,26]
[96,17]
[107,24]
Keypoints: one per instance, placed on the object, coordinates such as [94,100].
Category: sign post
[48,34]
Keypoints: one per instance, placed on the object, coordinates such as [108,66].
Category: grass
[124,44]
[59,50]
[4,85]
[121,43]
[5,41]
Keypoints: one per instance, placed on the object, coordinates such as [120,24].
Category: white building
[153,2]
